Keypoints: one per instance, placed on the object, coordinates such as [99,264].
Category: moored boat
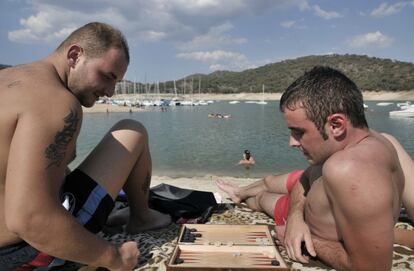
[406,113]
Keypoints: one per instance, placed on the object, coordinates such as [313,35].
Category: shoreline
[407,95]
[244,96]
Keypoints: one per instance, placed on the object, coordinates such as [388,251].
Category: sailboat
[185,102]
[262,101]
[175,101]
[158,101]
[200,102]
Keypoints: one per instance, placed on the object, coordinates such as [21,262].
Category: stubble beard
[79,92]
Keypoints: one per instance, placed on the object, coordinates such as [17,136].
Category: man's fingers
[280,233]
[309,246]
[290,252]
[298,252]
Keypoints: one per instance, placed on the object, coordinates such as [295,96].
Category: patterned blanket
[157,246]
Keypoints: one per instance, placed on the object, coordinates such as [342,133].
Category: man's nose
[293,142]
[109,92]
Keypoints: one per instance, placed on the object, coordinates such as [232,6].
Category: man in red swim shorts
[271,194]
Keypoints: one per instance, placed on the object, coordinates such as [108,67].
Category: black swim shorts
[86,200]
[83,198]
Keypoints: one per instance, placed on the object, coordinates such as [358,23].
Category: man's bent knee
[130,124]
[258,202]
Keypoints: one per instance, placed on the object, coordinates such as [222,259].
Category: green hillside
[370,73]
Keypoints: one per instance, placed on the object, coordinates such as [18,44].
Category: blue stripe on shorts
[91,204]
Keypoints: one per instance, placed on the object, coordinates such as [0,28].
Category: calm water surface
[185,142]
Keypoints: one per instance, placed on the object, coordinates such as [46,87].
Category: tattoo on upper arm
[56,151]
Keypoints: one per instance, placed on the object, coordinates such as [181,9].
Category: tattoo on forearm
[146,184]
[56,151]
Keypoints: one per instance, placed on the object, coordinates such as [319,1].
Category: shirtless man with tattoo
[44,208]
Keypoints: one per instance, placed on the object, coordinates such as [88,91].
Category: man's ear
[337,124]
[74,52]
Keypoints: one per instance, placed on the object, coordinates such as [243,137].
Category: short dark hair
[323,91]
[97,38]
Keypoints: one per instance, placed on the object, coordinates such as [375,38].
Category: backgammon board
[225,247]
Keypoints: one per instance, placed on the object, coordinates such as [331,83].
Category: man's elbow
[25,225]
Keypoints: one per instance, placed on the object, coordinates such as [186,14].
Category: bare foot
[118,217]
[153,220]
[230,189]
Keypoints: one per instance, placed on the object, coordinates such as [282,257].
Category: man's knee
[129,124]
[267,182]
[259,198]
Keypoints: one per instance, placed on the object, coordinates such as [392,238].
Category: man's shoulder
[369,161]
[36,87]
[52,106]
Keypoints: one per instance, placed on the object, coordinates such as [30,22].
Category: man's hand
[297,232]
[128,253]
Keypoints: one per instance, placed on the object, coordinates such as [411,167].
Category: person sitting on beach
[247,160]
[402,236]
[350,211]
[271,194]
[324,111]
[44,208]
[297,230]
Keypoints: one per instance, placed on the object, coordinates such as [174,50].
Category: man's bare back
[41,201]
[25,91]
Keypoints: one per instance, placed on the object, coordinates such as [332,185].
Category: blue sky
[170,39]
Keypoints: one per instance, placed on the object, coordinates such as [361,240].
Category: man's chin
[310,160]
[314,163]
[88,104]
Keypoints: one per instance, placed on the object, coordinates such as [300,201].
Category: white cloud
[385,9]
[219,59]
[214,56]
[217,67]
[327,15]
[154,35]
[182,22]
[288,24]
[52,24]
[215,37]
[373,39]
[293,24]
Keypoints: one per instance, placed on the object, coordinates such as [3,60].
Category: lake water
[184,142]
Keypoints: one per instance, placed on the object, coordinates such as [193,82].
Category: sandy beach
[368,96]
[206,183]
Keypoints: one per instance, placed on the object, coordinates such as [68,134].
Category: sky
[170,39]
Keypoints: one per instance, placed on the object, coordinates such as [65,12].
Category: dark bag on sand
[180,202]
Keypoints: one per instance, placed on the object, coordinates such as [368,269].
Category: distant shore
[368,96]
[108,108]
